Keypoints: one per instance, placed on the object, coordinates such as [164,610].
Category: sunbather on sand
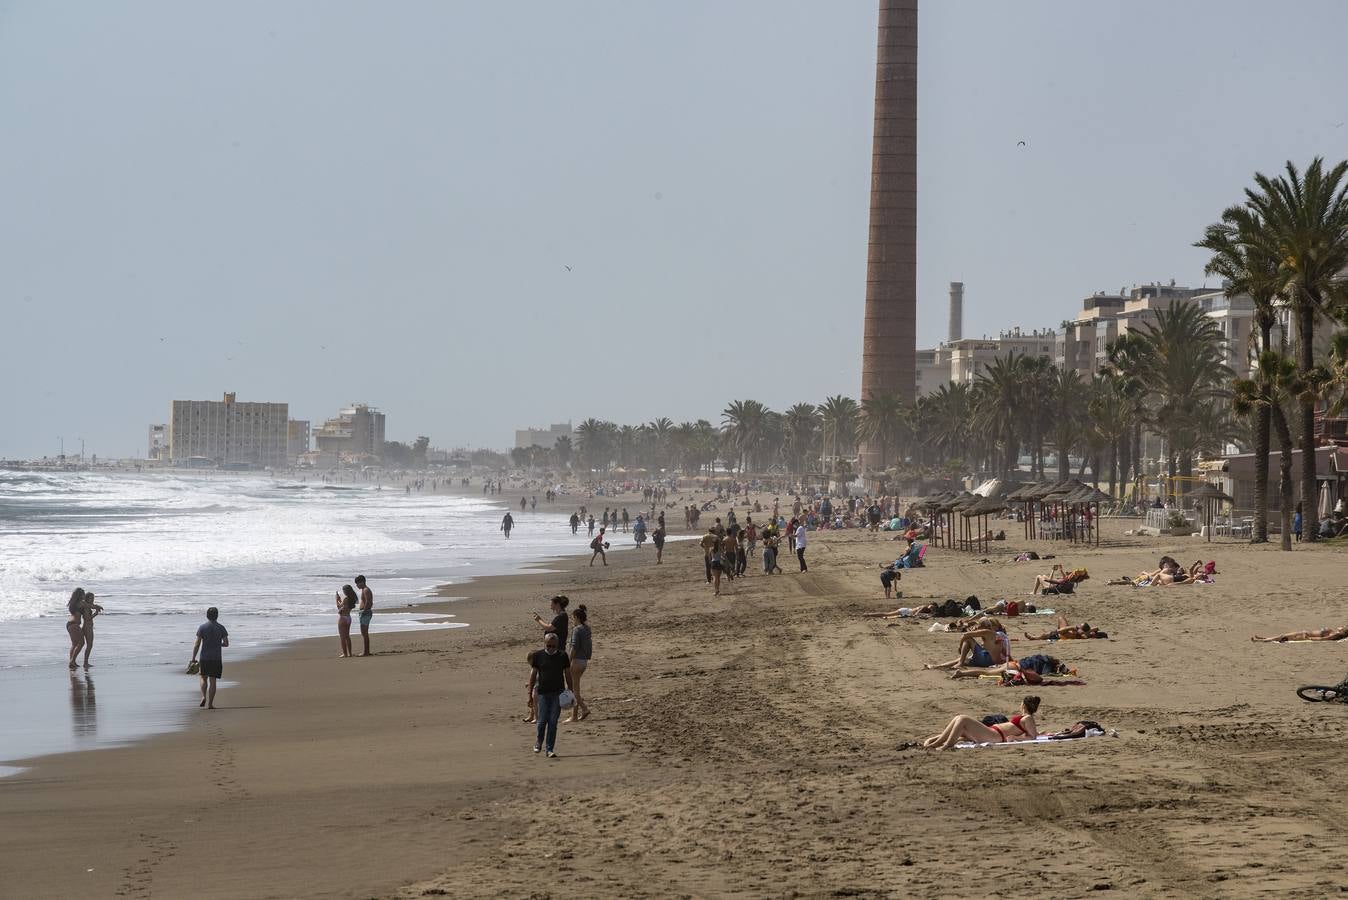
[903,612]
[1051,666]
[1065,632]
[1324,634]
[1021,727]
[980,649]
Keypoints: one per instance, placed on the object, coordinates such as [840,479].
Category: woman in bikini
[1065,632]
[346,601]
[75,624]
[1324,634]
[1021,727]
[88,611]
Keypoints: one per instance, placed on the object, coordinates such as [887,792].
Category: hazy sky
[327,202]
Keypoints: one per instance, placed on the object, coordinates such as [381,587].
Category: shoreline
[719,722]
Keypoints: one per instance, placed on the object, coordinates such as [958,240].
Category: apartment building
[228,432]
[357,430]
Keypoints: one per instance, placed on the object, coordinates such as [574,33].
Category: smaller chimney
[956,310]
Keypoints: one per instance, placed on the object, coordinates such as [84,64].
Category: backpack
[1078,730]
[594,544]
[952,609]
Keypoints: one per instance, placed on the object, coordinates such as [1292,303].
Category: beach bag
[1078,730]
[566,699]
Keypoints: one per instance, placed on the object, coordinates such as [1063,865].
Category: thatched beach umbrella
[1209,496]
[980,510]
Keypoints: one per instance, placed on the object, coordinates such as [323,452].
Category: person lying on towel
[1065,632]
[1324,634]
[1020,727]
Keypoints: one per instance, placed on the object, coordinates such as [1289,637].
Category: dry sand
[739,745]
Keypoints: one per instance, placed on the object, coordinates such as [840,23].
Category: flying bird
[1020,143]
[568,268]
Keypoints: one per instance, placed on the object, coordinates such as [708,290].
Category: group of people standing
[556,670]
[726,549]
[348,601]
[80,626]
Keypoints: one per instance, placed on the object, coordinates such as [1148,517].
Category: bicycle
[1315,693]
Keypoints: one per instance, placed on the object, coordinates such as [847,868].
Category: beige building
[228,432]
[970,356]
[357,430]
[1082,344]
[543,437]
[297,438]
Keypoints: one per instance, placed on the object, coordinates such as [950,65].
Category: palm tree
[1037,376]
[949,422]
[800,425]
[1127,363]
[746,423]
[1108,413]
[596,442]
[998,407]
[562,451]
[1305,226]
[1184,368]
[1273,388]
[1066,404]
[660,432]
[840,416]
[883,422]
[1248,266]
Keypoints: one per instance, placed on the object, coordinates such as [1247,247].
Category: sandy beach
[745,744]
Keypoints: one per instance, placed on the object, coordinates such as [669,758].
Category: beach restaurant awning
[1331,464]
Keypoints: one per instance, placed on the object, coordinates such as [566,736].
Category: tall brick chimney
[956,310]
[889,348]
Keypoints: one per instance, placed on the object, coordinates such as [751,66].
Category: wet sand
[742,744]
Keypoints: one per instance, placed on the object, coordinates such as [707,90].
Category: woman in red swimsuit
[967,728]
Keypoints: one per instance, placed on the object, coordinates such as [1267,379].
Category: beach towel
[1037,742]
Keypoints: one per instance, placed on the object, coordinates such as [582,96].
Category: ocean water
[158,549]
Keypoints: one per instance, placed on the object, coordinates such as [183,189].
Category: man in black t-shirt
[549,674]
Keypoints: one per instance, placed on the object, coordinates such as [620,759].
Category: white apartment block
[157,447]
[970,356]
[228,432]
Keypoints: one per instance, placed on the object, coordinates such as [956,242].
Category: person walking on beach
[211,637]
[658,539]
[709,544]
[346,601]
[575,523]
[800,547]
[549,675]
[88,611]
[580,649]
[75,624]
[590,526]
[366,612]
[598,546]
[507,523]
